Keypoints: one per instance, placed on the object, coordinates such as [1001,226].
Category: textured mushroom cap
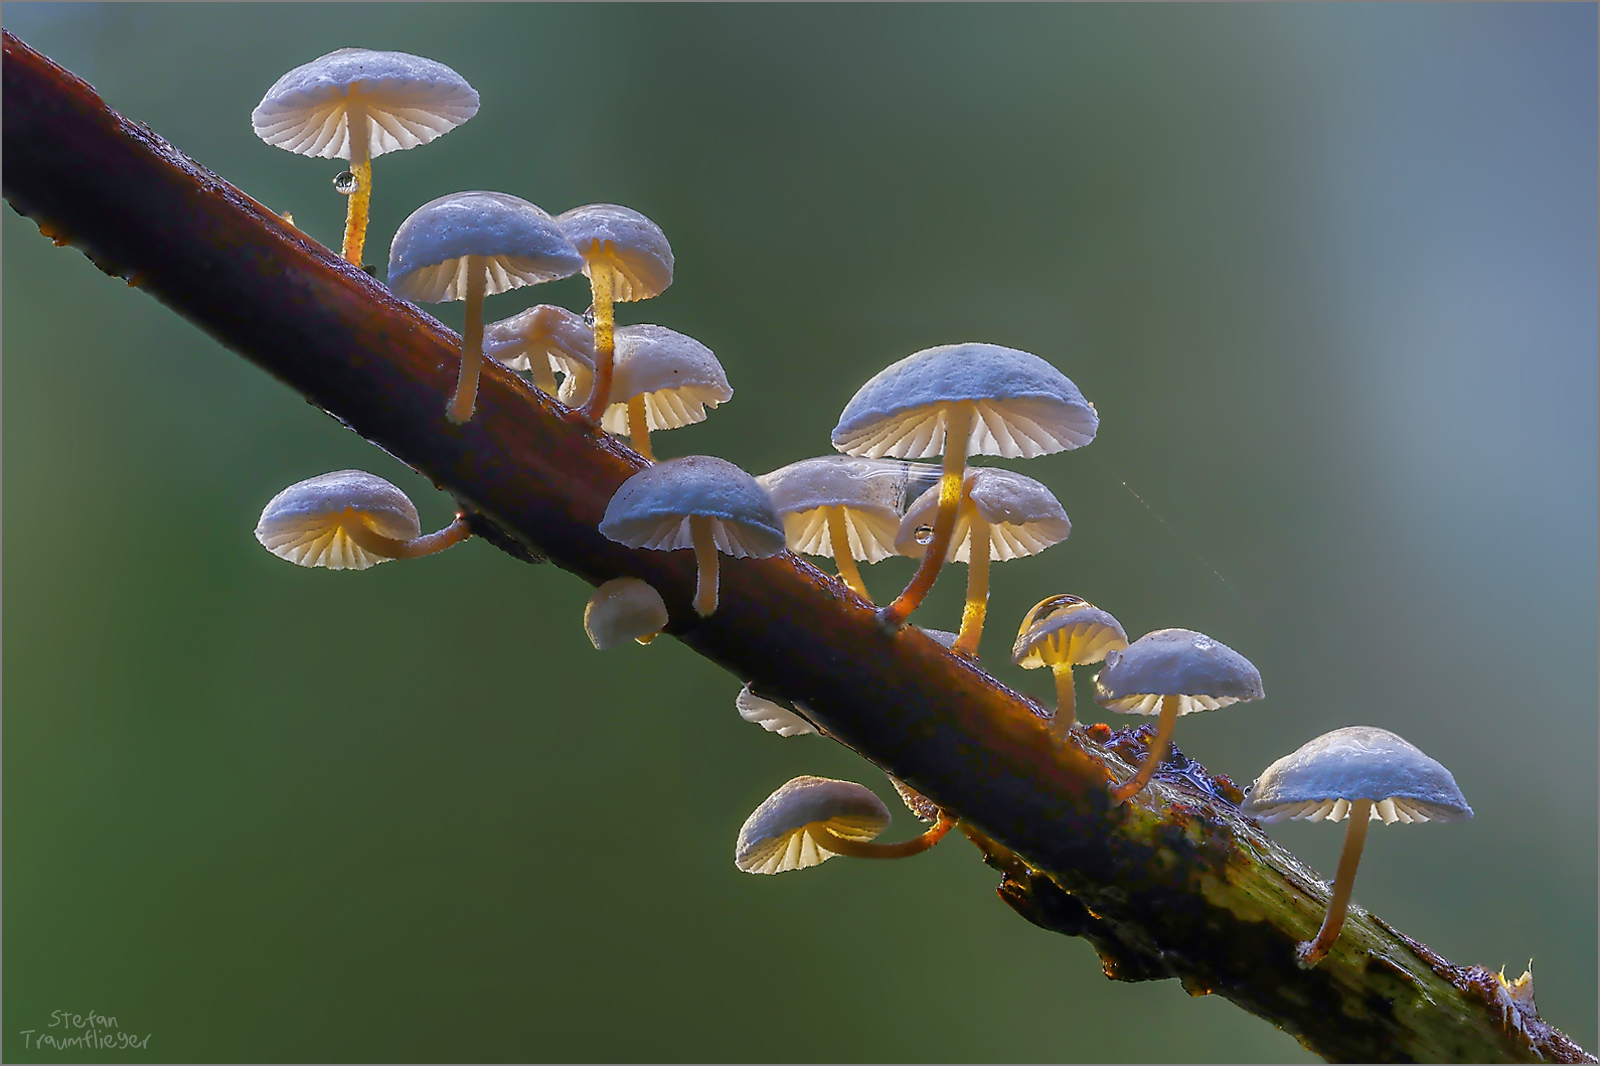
[521,243]
[410,100]
[677,375]
[1175,662]
[307,523]
[621,610]
[637,248]
[1319,780]
[869,492]
[1026,407]
[772,717]
[1024,517]
[1066,629]
[652,508]
[540,336]
[777,838]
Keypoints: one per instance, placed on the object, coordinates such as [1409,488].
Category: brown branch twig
[1175,884]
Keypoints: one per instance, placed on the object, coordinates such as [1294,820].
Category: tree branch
[1177,883]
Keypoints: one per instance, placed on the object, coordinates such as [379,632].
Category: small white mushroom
[1363,773]
[469,245]
[1172,672]
[1062,632]
[542,342]
[349,520]
[1001,515]
[841,506]
[626,257]
[621,610]
[661,379]
[699,502]
[355,104]
[811,819]
[958,400]
[772,717]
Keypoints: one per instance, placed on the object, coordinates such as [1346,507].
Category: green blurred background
[1329,274]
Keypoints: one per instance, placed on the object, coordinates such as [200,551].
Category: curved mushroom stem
[355,209]
[356,528]
[1066,697]
[544,379]
[1158,750]
[866,849]
[600,282]
[460,409]
[639,428]
[705,554]
[839,541]
[1355,838]
[977,607]
[958,428]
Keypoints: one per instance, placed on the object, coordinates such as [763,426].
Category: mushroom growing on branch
[349,520]
[661,379]
[356,104]
[811,819]
[1062,632]
[841,506]
[621,610]
[1363,773]
[541,342]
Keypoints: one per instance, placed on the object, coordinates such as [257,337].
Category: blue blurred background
[1328,272]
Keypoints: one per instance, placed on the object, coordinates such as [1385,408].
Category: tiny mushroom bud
[542,341]
[811,819]
[469,245]
[1062,632]
[840,506]
[1362,773]
[1171,672]
[626,257]
[699,502]
[349,520]
[772,717]
[661,380]
[1002,516]
[621,610]
[959,400]
[355,104]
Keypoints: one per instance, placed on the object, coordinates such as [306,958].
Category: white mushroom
[661,379]
[542,342]
[811,819]
[349,520]
[841,506]
[1062,632]
[621,610]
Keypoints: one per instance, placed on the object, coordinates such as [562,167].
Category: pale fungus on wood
[811,819]
[773,717]
[544,341]
[841,506]
[349,520]
[624,609]
[1062,632]
[661,379]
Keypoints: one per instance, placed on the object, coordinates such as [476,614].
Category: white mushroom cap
[410,100]
[1026,407]
[1319,780]
[1024,517]
[540,336]
[621,610]
[1066,629]
[870,493]
[637,248]
[1175,662]
[307,523]
[519,240]
[652,508]
[677,375]
[777,838]
[772,717]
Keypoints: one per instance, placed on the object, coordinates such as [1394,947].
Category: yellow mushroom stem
[1158,750]
[355,210]
[839,541]
[356,528]
[544,379]
[705,555]
[460,409]
[977,607]
[1066,696]
[866,849]
[958,429]
[1355,838]
[639,428]
[601,278]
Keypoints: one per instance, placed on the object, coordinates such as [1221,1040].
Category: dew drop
[1204,645]
[345,183]
[588,317]
[924,534]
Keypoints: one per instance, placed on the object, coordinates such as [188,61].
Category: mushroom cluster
[872,502]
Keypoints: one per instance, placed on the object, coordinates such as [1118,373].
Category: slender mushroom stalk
[349,520]
[1171,706]
[429,543]
[355,218]
[639,428]
[811,819]
[460,411]
[1355,837]
[841,506]
[1066,696]
[977,605]
[605,341]
[705,556]
[958,427]
[1061,632]
[843,557]
[869,849]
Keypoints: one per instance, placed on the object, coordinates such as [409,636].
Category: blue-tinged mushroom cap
[309,522]
[636,248]
[1319,780]
[869,495]
[518,242]
[653,507]
[777,838]
[1066,629]
[1206,673]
